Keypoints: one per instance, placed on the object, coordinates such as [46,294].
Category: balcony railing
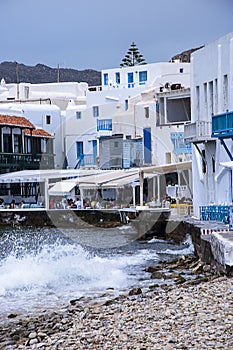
[104,124]
[222,124]
[200,130]
[85,160]
[215,212]
[26,161]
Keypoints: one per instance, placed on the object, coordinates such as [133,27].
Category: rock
[158,275]
[197,268]
[32,335]
[135,291]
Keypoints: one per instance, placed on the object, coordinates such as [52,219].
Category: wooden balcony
[26,161]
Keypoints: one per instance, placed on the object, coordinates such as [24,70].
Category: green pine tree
[133,57]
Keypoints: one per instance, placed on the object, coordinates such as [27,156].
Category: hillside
[185,55]
[13,72]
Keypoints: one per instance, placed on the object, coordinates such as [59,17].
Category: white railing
[201,129]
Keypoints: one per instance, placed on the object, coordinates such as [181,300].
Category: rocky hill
[14,72]
[185,55]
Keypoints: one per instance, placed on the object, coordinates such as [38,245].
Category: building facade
[211,128]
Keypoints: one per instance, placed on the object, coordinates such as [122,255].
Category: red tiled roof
[38,133]
[15,121]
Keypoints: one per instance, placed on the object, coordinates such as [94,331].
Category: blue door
[94,145]
[147,145]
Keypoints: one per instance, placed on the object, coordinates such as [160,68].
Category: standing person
[12,205]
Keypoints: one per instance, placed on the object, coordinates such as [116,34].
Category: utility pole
[17,79]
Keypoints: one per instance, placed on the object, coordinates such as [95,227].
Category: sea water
[43,268]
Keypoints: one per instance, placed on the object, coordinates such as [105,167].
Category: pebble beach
[185,316]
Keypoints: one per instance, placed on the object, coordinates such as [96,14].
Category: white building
[44,106]
[126,104]
[43,116]
[211,130]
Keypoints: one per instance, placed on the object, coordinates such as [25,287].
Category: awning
[167,168]
[109,179]
[62,188]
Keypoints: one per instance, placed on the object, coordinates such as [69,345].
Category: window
[130,80]
[105,79]
[213,165]
[205,101]
[225,92]
[142,77]
[198,102]
[118,80]
[78,115]
[95,111]
[181,70]
[48,119]
[216,96]
[203,161]
[7,143]
[147,112]
[126,105]
[211,96]
[26,92]
[104,124]
[17,144]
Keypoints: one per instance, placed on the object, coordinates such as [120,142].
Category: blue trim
[222,125]
[147,145]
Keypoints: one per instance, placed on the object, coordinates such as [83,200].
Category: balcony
[86,160]
[104,124]
[222,125]
[26,161]
[197,132]
[180,146]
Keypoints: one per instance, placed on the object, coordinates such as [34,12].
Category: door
[94,145]
[147,145]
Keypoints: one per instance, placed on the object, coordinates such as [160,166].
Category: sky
[96,34]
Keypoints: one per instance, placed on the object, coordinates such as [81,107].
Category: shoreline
[180,316]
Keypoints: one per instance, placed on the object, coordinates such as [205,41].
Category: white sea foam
[186,248]
[58,272]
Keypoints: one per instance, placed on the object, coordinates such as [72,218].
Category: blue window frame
[105,78]
[78,115]
[118,78]
[130,80]
[79,149]
[95,111]
[142,77]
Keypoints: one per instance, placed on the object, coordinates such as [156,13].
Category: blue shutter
[147,145]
